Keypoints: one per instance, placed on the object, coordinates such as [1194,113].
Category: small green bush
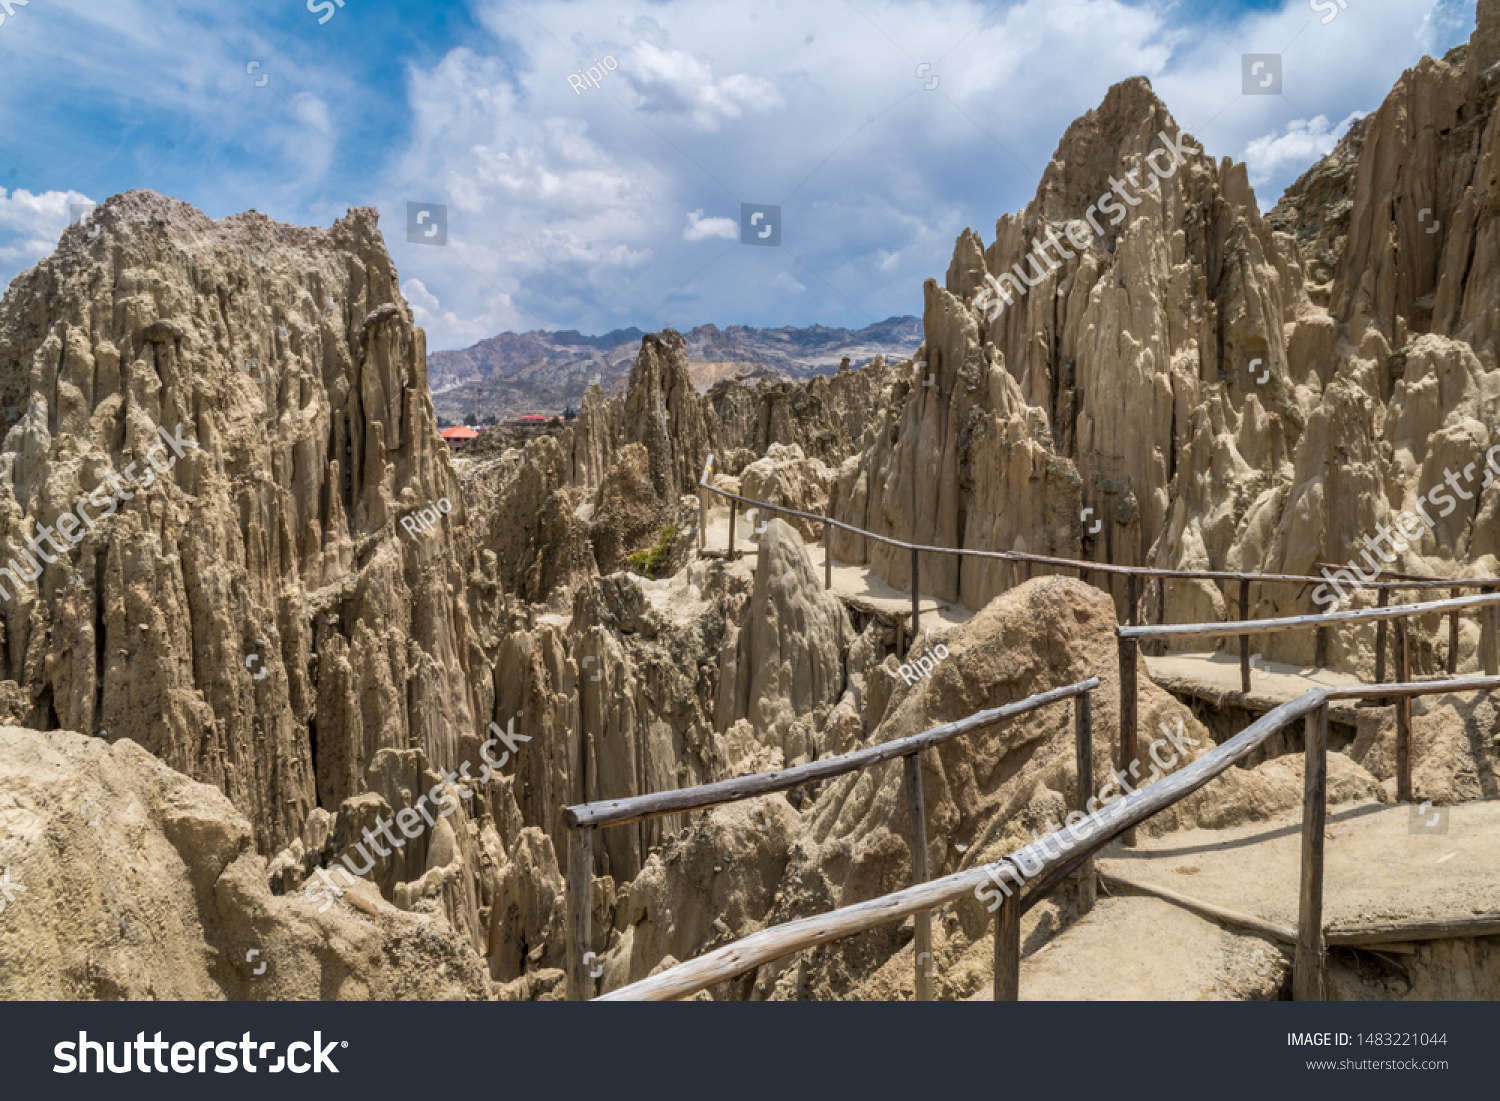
[649,562]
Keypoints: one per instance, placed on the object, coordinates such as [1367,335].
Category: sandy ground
[1215,678]
[1374,865]
[1143,949]
[1134,947]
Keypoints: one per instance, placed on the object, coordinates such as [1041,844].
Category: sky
[585,165]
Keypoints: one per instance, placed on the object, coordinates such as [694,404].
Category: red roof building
[457,437]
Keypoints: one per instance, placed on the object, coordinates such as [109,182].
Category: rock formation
[1199,381]
[303,622]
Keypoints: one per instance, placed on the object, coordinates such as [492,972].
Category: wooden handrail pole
[1244,639]
[1083,744]
[640,808]
[1008,948]
[779,941]
[580,911]
[708,467]
[1127,716]
[1161,611]
[916,597]
[1320,652]
[1383,602]
[1489,638]
[1309,969]
[1132,599]
[1453,634]
[734,515]
[828,551]
[912,775]
[1403,715]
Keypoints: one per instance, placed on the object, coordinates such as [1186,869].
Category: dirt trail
[1214,677]
[1133,947]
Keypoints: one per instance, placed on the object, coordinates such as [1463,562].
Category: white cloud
[420,299]
[675,82]
[566,210]
[1305,141]
[499,315]
[700,228]
[34,222]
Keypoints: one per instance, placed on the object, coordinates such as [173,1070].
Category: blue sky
[620,205]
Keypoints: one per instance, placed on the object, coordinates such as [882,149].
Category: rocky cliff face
[254,615]
[1083,391]
[1222,390]
[827,417]
[141,884]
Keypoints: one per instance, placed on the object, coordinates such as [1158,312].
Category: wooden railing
[1133,576]
[583,819]
[1129,640]
[1052,867]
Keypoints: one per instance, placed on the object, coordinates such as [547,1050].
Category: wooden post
[1489,637]
[915,597]
[1403,715]
[708,467]
[1083,744]
[1309,969]
[734,515]
[914,807]
[828,551]
[1245,639]
[1008,948]
[1383,602]
[1127,716]
[1320,655]
[1161,612]
[1453,634]
[1132,599]
[580,910]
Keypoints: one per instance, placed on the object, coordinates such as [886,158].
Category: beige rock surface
[142,884]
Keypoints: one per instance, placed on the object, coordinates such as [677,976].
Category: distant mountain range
[542,372]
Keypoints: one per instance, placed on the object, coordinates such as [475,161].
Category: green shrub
[650,562]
